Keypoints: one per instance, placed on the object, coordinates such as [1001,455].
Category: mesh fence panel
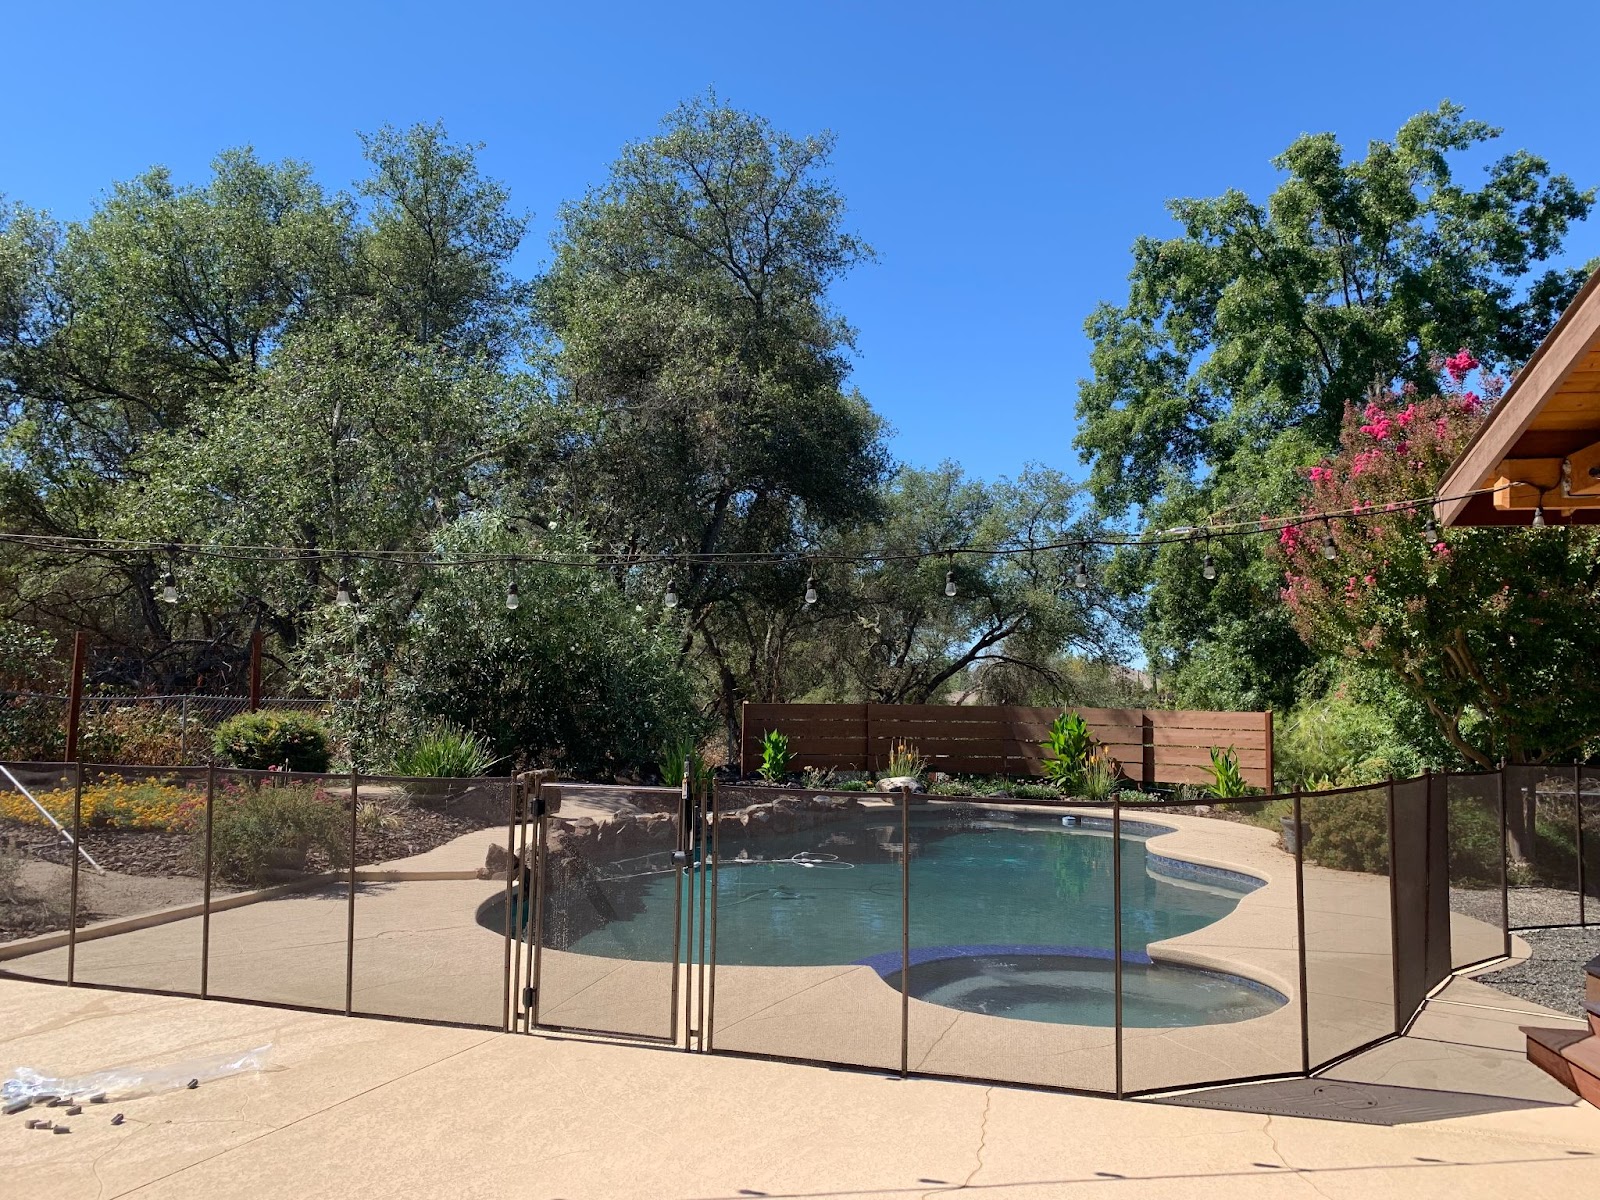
[1477,916]
[807,904]
[610,912]
[36,870]
[1349,948]
[141,923]
[281,846]
[1213,991]
[1542,820]
[1013,968]
[429,932]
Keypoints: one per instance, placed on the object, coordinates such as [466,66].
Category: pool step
[1591,1010]
[1569,1056]
[1591,980]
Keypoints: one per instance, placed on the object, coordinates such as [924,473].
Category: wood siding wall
[1153,745]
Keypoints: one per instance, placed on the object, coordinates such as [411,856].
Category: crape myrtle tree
[1243,339]
[702,369]
[1492,631]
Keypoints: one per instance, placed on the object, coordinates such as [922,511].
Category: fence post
[80,641]
[507,1011]
[183,729]
[1300,932]
[905,931]
[77,855]
[350,906]
[205,895]
[1116,931]
[1394,916]
[1505,870]
[255,668]
[1272,774]
[1577,813]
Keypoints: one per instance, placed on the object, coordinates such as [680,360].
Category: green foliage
[259,741]
[134,733]
[446,752]
[682,758]
[1246,334]
[1227,782]
[1036,791]
[257,830]
[577,676]
[1069,744]
[775,756]
[1349,831]
[1348,736]
[1491,631]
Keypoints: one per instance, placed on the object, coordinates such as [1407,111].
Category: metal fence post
[1300,936]
[1116,931]
[77,855]
[708,1037]
[205,895]
[1505,869]
[350,906]
[1394,916]
[506,1011]
[905,931]
[1577,812]
[80,641]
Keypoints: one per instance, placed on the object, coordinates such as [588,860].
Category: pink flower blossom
[1408,388]
[1320,475]
[1470,402]
[1460,364]
[1406,415]
[1289,538]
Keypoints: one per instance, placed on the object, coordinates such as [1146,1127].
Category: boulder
[895,782]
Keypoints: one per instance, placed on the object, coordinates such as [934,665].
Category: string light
[671,598]
[1080,578]
[1208,566]
[1330,550]
[169,588]
[1430,531]
[811,590]
[1538,517]
[513,598]
[344,597]
[950,584]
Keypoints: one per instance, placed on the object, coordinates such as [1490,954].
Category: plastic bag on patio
[122,1083]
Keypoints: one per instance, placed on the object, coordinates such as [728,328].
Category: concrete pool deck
[357,1108]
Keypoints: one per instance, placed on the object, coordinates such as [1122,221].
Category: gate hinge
[527,997]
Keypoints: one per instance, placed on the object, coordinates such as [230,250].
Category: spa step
[1591,980]
[1591,1010]
[1569,1056]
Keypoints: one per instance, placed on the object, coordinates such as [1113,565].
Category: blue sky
[1000,157]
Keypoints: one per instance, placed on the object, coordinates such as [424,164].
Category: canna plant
[1069,744]
[775,756]
[1227,783]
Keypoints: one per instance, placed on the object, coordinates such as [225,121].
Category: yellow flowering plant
[111,803]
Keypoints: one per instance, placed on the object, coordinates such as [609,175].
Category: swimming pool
[1009,914]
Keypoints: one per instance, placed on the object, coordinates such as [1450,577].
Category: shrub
[1036,791]
[133,733]
[1098,779]
[273,738]
[251,826]
[775,756]
[110,803]
[446,752]
[1348,832]
[1068,744]
[683,758]
[904,761]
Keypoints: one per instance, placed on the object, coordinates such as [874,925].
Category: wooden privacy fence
[1153,745]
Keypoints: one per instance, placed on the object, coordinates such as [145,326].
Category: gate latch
[680,858]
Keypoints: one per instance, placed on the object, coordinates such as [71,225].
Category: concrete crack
[1276,1149]
[983,1144]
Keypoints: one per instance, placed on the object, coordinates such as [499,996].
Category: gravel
[1554,976]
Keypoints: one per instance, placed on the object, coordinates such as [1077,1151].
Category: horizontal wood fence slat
[1153,745]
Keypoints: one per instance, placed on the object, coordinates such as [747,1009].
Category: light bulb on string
[513,597]
[1208,566]
[344,597]
[1080,578]
[1538,517]
[169,588]
[811,590]
[950,584]
[1330,550]
[671,598]
[1430,531]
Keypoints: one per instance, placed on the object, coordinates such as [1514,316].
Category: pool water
[1076,990]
